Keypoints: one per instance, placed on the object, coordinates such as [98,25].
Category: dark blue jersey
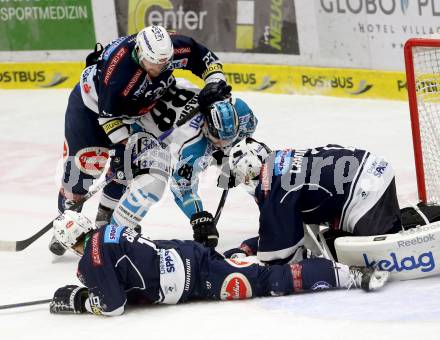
[115,262]
[120,266]
[328,184]
[118,87]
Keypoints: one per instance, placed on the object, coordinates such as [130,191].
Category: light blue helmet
[222,122]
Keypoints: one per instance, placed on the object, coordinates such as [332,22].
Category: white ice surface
[31,138]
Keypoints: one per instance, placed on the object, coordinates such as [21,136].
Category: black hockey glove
[412,218]
[204,229]
[226,181]
[213,92]
[219,157]
[70,299]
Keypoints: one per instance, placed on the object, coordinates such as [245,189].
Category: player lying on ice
[119,266]
[351,190]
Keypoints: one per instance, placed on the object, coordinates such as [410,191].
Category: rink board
[279,79]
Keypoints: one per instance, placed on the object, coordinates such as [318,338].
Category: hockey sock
[316,273]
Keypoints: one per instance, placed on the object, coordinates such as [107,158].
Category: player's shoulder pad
[112,233]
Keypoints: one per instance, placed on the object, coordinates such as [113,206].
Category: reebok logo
[416,240]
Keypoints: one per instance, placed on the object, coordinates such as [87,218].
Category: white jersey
[191,152]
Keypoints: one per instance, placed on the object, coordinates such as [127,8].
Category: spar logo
[162,12]
[424,261]
[91,160]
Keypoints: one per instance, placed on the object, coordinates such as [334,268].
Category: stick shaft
[14,246]
[25,304]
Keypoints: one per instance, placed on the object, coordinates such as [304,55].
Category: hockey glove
[149,155]
[69,299]
[226,181]
[117,157]
[213,92]
[219,157]
[204,229]
[248,247]
[412,217]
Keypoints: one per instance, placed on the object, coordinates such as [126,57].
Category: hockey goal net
[422,59]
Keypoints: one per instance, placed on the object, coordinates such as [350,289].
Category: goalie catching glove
[69,299]
[204,229]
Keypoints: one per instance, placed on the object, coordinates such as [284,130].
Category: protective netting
[427,80]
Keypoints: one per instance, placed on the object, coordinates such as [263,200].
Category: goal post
[422,61]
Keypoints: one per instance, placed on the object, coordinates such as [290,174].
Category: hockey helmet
[153,44]
[222,123]
[245,161]
[70,227]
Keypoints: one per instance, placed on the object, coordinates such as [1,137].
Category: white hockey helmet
[245,161]
[153,43]
[69,227]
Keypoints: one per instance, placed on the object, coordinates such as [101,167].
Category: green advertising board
[46,25]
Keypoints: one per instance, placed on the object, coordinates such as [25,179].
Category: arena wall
[348,48]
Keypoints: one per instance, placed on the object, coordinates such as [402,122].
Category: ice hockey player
[119,266]
[350,189]
[193,148]
[129,78]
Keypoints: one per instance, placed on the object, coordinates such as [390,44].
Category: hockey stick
[25,304]
[23,244]
[221,204]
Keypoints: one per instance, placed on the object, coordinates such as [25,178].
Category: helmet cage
[246,159]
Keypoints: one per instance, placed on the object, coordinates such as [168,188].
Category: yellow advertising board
[348,83]
[40,75]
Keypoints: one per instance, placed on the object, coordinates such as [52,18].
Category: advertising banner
[371,33]
[347,83]
[337,82]
[249,26]
[46,25]
[40,75]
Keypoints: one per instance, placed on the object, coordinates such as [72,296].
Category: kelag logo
[425,261]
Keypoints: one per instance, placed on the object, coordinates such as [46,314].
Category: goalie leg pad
[409,254]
